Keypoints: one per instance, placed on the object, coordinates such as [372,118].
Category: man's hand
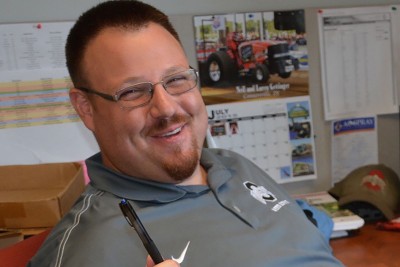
[166,263]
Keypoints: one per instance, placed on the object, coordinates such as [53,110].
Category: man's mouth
[174,132]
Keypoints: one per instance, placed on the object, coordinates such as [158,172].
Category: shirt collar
[134,188]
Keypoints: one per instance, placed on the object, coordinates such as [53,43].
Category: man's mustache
[164,123]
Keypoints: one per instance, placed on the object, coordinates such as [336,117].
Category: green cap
[376,184]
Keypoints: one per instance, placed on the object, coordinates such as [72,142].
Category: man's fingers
[166,263]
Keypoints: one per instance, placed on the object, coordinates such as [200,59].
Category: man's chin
[181,167]
[180,172]
[181,163]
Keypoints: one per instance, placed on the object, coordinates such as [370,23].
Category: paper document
[354,144]
[358,57]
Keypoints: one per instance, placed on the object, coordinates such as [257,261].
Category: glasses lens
[180,82]
[135,95]
[140,94]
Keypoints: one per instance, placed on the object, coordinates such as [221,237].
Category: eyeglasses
[139,94]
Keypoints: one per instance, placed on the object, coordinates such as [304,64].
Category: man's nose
[162,104]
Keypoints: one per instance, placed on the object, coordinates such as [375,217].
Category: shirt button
[236,209]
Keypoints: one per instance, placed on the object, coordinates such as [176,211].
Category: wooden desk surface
[369,248]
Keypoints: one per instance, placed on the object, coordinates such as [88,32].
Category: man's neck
[199,177]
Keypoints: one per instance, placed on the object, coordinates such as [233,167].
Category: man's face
[161,140]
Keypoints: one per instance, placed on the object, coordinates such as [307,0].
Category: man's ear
[82,106]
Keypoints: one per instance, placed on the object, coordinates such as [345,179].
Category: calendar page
[277,135]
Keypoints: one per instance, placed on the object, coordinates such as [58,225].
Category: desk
[369,248]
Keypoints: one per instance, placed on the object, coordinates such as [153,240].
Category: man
[136,92]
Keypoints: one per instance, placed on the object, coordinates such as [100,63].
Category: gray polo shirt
[242,218]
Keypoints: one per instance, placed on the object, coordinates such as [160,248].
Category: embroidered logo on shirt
[260,193]
[264,196]
[182,256]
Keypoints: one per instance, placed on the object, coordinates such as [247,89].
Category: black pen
[134,221]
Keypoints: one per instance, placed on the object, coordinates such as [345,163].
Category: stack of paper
[344,220]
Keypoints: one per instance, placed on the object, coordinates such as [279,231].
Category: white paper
[65,142]
[358,60]
[37,121]
[354,144]
[28,46]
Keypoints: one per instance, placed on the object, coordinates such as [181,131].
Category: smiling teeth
[177,130]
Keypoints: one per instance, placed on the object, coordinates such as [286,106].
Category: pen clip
[134,221]
[124,206]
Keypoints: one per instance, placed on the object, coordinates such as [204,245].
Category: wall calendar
[277,135]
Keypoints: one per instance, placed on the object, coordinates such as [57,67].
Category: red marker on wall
[39,26]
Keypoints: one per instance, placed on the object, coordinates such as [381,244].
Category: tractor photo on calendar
[255,59]
[249,55]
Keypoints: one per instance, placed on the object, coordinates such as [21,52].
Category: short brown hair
[125,14]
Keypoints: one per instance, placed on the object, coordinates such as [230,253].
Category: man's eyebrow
[133,80]
[173,70]
[140,79]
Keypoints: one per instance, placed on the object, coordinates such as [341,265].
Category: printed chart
[358,48]
[33,102]
[37,121]
[34,81]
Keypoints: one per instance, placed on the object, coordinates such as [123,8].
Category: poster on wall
[37,121]
[254,80]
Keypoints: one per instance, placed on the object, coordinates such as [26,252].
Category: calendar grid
[261,131]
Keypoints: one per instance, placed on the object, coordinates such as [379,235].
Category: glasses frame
[116,96]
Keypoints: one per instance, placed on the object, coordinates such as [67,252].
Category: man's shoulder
[231,159]
[223,155]
[74,226]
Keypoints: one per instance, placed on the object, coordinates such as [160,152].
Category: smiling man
[155,130]
[134,89]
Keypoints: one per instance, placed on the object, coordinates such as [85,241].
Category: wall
[181,12]
[50,10]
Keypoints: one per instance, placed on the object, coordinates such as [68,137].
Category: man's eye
[132,93]
[177,80]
